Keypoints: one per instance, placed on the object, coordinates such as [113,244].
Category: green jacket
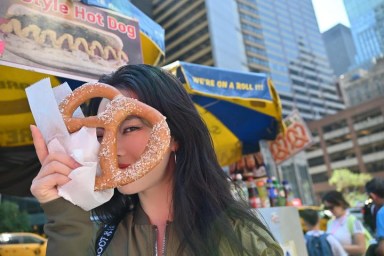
[71,232]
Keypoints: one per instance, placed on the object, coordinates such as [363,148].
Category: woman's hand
[55,168]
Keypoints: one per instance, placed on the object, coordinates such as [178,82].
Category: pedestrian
[375,190]
[182,207]
[346,228]
[317,241]
[369,214]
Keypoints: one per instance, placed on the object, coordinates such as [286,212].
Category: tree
[350,184]
[12,219]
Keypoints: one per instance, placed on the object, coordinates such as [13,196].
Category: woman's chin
[128,189]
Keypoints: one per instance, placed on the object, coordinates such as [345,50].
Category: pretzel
[115,113]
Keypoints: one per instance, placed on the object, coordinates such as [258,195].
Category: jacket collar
[140,217]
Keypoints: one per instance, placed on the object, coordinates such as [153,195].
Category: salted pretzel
[115,113]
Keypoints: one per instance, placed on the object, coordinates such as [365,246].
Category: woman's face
[336,210]
[132,137]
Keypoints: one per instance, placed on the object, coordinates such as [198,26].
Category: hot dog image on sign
[67,36]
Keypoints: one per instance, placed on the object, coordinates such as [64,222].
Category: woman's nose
[120,148]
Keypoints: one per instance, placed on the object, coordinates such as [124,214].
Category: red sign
[295,139]
[68,37]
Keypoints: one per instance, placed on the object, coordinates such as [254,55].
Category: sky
[329,13]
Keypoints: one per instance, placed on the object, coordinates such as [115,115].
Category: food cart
[67,41]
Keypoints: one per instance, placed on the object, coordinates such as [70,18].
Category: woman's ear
[174,145]
[373,196]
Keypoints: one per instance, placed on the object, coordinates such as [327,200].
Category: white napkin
[81,145]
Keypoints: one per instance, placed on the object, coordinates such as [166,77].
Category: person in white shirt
[351,236]
[311,221]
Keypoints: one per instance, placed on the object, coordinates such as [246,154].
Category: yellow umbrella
[15,114]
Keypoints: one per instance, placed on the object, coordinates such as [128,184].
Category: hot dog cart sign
[68,37]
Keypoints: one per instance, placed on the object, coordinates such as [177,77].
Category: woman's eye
[100,138]
[130,129]
[99,135]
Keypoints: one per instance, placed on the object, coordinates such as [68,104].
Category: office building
[340,48]
[352,139]
[362,85]
[379,16]
[366,19]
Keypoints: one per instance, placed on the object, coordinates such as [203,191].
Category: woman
[347,229]
[182,207]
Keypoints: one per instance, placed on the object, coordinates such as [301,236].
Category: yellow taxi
[22,244]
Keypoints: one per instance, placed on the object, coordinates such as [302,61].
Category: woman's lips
[124,166]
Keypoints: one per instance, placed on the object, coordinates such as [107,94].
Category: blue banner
[227,83]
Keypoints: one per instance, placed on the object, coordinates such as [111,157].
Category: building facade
[340,48]
[362,85]
[352,139]
[367,27]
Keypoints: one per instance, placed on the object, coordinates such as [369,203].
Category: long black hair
[202,202]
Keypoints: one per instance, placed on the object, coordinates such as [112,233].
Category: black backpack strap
[104,238]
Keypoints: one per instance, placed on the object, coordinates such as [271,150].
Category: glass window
[320,177]
[367,115]
[31,240]
[375,166]
[335,125]
[316,161]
